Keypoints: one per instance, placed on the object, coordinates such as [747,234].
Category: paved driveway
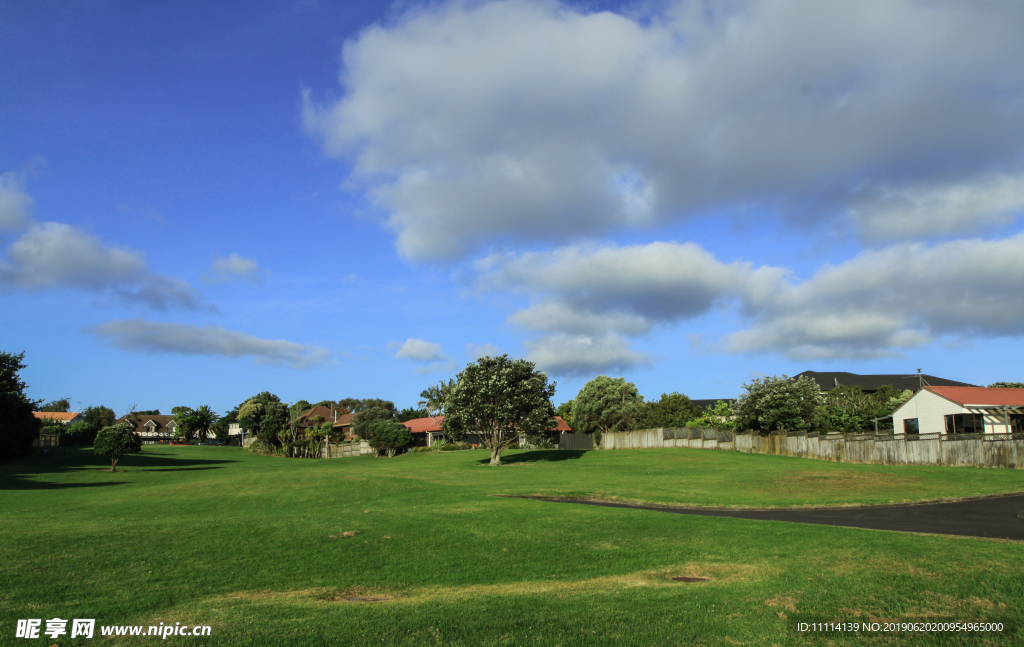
[1001,517]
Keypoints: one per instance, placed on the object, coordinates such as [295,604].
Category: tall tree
[606,404]
[499,398]
[17,424]
[410,413]
[98,417]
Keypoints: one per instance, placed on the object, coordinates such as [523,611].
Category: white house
[961,409]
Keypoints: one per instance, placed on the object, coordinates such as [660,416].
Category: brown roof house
[153,429]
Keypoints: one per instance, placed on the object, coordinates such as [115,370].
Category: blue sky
[202,201]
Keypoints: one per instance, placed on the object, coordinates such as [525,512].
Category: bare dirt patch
[347,533]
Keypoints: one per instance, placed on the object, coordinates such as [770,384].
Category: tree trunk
[113,464]
[496,456]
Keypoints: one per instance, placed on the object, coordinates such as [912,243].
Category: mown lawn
[256,547]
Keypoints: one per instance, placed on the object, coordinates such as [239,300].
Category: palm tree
[200,421]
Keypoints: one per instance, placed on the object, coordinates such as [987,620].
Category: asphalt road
[997,517]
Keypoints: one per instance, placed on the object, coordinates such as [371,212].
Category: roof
[704,404]
[423,425]
[140,421]
[319,410]
[831,379]
[344,421]
[61,416]
[969,395]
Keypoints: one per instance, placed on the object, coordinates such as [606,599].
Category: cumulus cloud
[914,212]
[476,351]
[54,255]
[233,267]
[185,339]
[419,350]
[583,355]
[15,205]
[463,132]
[881,302]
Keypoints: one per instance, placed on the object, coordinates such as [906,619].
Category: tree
[606,404]
[98,417]
[671,410]
[116,441]
[409,413]
[150,412]
[719,415]
[499,398]
[275,419]
[17,424]
[565,411]
[389,436]
[779,403]
[252,411]
[301,407]
[364,423]
[199,421]
[1007,385]
[57,406]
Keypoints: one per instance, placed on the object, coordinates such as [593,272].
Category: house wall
[930,410]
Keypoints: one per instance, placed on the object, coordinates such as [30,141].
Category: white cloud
[55,255]
[463,132]
[232,267]
[184,339]
[476,351]
[15,205]
[583,355]
[419,350]
[882,302]
[915,212]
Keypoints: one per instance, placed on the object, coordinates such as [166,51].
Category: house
[430,428]
[870,383]
[961,409]
[153,429]
[64,418]
[341,423]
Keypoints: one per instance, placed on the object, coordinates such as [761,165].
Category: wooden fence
[978,450]
[346,450]
[575,441]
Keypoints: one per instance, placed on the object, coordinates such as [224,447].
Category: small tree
[498,398]
[199,421]
[116,441]
[779,403]
[606,404]
[364,425]
[389,436]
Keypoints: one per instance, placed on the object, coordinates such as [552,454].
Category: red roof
[423,425]
[61,416]
[965,395]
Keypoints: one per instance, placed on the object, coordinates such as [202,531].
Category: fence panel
[575,441]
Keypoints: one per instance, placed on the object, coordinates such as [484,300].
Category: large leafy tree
[17,424]
[671,410]
[607,404]
[388,436]
[252,411]
[116,441]
[779,403]
[1007,385]
[565,411]
[409,413]
[63,405]
[498,398]
[98,417]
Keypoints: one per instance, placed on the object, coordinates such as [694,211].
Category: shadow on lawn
[540,456]
[17,474]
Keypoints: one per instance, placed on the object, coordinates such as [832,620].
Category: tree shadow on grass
[540,456]
[17,474]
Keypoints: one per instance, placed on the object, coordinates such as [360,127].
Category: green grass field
[264,549]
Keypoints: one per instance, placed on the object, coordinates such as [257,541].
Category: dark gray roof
[870,383]
[704,404]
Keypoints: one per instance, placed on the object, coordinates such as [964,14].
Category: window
[910,426]
[965,423]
